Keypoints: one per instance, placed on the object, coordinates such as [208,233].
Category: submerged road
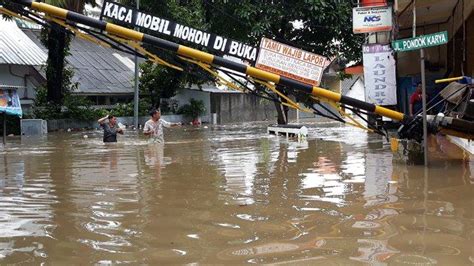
[231,194]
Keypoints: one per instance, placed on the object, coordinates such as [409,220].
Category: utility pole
[136,96]
[423,86]
[4,128]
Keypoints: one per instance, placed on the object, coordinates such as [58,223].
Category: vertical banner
[379,74]
[10,102]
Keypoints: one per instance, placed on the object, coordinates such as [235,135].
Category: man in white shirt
[154,126]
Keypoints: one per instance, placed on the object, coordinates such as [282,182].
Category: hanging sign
[10,102]
[371,19]
[379,75]
[290,62]
[134,18]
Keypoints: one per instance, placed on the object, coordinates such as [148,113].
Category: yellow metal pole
[212,59]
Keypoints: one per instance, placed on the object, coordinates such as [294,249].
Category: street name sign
[421,41]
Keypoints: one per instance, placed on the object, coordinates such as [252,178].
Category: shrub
[194,109]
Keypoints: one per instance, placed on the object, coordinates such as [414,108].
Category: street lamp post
[136,94]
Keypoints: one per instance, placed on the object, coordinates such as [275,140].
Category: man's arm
[169,124]
[102,120]
[147,131]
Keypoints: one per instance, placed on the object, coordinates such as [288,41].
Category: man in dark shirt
[416,100]
[110,131]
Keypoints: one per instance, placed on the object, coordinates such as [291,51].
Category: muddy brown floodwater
[231,194]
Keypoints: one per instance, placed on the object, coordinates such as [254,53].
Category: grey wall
[237,107]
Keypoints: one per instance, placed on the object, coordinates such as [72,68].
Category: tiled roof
[347,84]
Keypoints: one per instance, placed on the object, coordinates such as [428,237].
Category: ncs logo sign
[371,18]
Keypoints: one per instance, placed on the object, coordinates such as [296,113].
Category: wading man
[109,127]
[154,126]
[416,100]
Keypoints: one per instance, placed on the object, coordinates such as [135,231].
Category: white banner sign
[371,19]
[379,75]
[290,62]
[133,18]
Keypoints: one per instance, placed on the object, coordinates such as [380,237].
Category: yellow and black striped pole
[211,59]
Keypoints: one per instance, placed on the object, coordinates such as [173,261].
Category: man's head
[112,120]
[418,87]
[155,114]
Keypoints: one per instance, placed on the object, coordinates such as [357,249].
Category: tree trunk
[55,68]
[282,112]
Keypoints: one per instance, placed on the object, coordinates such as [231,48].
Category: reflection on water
[231,194]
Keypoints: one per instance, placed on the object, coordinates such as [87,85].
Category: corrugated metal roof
[348,83]
[96,68]
[16,48]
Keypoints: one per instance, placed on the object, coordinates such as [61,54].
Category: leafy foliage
[74,107]
[57,40]
[126,109]
[158,82]
[80,108]
[319,26]
[194,109]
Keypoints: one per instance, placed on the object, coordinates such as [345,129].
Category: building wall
[439,60]
[184,96]
[237,107]
[13,75]
[470,45]
[357,91]
[331,83]
[461,52]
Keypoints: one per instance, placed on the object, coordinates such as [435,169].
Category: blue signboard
[10,102]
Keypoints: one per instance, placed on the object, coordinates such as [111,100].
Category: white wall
[357,91]
[14,76]
[185,95]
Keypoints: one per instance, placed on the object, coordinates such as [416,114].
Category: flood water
[231,195]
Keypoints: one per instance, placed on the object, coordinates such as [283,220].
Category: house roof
[97,69]
[347,84]
[353,70]
[16,48]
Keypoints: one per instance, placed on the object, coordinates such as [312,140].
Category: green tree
[319,26]
[158,81]
[56,39]
[193,109]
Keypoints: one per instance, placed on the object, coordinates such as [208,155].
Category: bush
[126,109]
[80,108]
[194,109]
